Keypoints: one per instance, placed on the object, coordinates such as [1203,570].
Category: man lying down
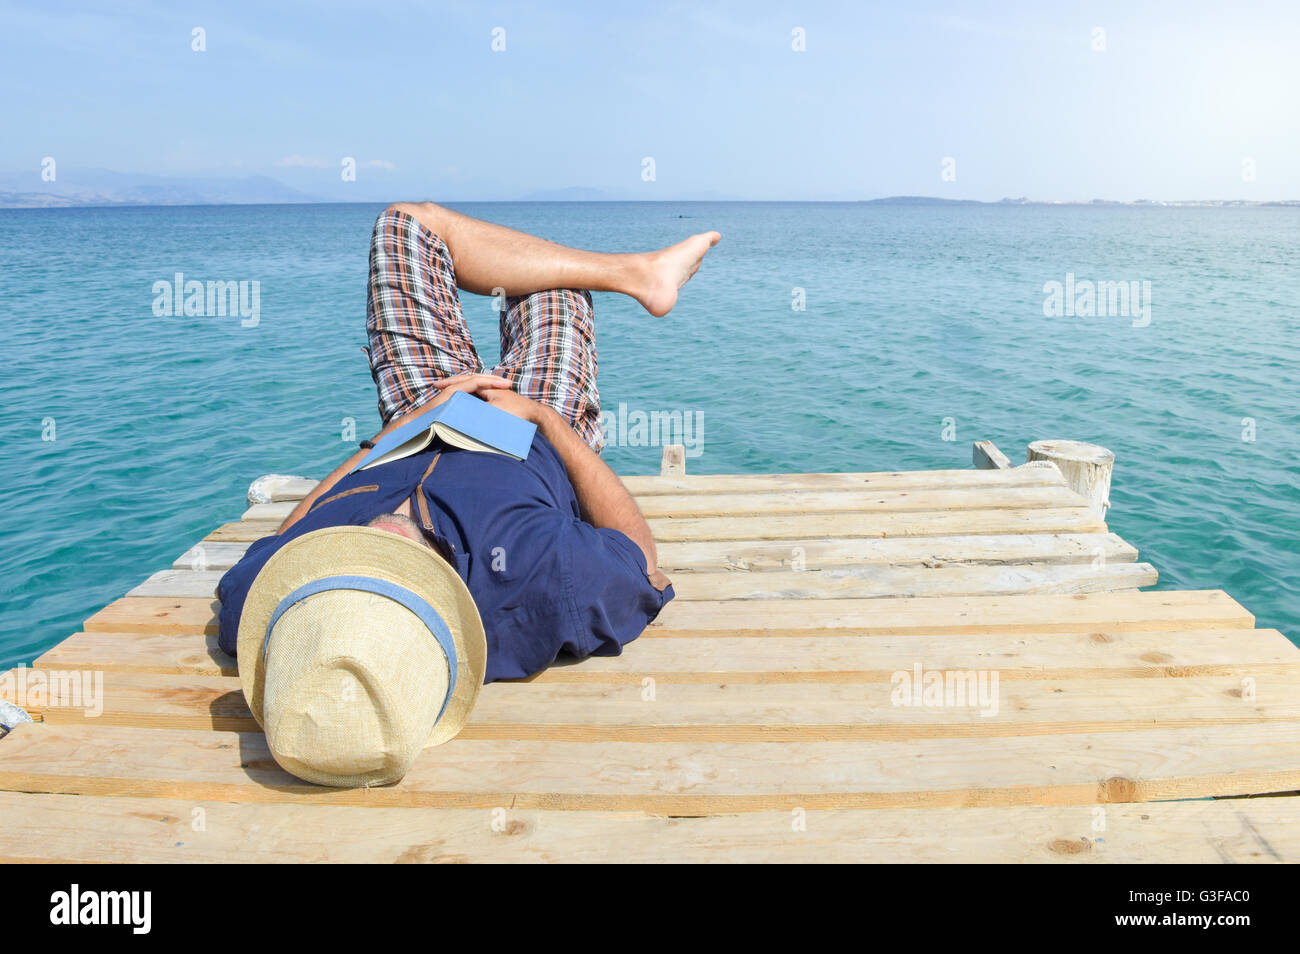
[366,625]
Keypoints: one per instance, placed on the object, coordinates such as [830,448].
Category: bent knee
[399,217]
[424,212]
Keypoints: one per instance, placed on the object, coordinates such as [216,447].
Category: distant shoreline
[40,201]
[1135,203]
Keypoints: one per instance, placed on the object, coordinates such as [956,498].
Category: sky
[1177,100]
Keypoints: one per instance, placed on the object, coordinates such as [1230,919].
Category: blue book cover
[462,421]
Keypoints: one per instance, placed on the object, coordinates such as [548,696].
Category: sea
[816,337]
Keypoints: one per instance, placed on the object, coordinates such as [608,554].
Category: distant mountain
[647,194]
[1021,200]
[920,200]
[103,187]
[90,187]
[571,194]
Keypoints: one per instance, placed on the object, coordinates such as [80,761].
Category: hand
[515,403]
[475,384]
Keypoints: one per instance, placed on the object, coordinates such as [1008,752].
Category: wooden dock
[758,719]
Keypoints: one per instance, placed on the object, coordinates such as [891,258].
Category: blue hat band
[421,607]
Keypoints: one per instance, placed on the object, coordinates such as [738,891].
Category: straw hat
[358,648]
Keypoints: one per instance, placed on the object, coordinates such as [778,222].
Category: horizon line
[915,200]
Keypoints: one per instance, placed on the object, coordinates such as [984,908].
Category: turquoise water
[913,315]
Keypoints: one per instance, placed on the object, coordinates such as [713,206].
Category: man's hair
[395,518]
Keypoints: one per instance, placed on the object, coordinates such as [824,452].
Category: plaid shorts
[417,332]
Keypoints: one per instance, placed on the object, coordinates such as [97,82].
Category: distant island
[1022,200]
[85,188]
[100,187]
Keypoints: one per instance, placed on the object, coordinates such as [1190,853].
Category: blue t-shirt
[545,582]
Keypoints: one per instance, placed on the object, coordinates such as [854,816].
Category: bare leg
[490,257]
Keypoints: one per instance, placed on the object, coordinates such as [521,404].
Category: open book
[462,421]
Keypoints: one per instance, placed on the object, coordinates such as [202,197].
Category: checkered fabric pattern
[417,332]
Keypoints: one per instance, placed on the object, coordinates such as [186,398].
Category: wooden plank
[169,831]
[243,531]
[812,527]
[681,778]
[642,486]
[876,582]
[210,555]
[813,658]
[944,523]
[1121,612]
[993,549]
[1042,655]
[150,614]
[986,456]
[726,712]
[189,583]
[745,483]
[140,652]
[145,700]
[809,501]
[990,549]
[866,582]
[673,463]
[877,501]
[1080,612]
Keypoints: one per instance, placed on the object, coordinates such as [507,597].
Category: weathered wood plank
[812,527]
[162,830]
[673,463]
[873,582]
[681,778]
[1118,612]
[813,658]
[188,583]
[642,486]
[727,712]
[151,614]
[1113,612]
[757,483]
[992,549]
[243,531]
[809,502]
[986,456]
[880,582]
[210,555]
[989,549]
[919,523]
[194,653]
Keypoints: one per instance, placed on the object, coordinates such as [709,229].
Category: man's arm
[602,498]
[323,487]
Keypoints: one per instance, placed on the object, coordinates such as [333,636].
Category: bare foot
[669,269]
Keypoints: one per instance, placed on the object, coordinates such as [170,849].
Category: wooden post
[986,456]
[1086,468]
[674,461]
